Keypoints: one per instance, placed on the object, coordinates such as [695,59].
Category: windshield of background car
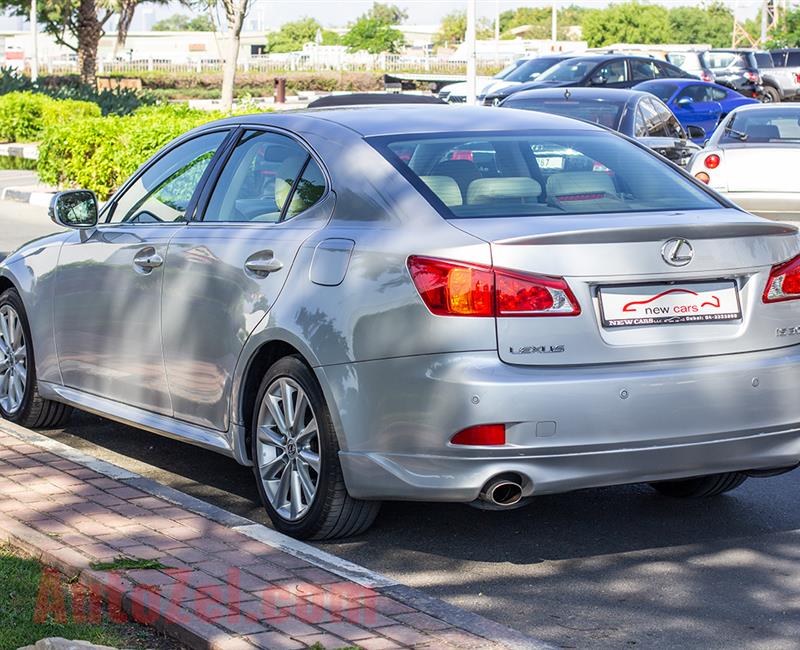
[539,173]
[570,70]
[531,70]
[763,127]
[507,70]
[661,90]
[606,113]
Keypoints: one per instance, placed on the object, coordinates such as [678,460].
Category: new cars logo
[677,252]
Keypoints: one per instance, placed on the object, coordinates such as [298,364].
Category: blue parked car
[696,103]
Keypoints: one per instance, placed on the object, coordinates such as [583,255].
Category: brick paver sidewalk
[218,588]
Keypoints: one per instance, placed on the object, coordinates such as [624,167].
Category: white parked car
[752,159]
[456,93]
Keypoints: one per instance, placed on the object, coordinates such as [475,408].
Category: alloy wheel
[13,360]
[288,449]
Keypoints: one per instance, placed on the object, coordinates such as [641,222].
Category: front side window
[541,173]
[610,73]
[260,181]
[696,93]
[569,70]
[531,70]
[163,192]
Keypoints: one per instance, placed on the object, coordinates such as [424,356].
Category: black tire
[34,411]
[770,95]
[700,486]
[333,513]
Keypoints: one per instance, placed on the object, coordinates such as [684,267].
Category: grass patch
[20,581]
[17,162]
[125,563]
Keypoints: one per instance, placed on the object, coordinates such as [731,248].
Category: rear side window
[539,173]
[793,59]
[717,94]
[643,70]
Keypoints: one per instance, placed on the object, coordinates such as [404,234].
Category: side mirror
[74,209]
[695,132]
[683,102]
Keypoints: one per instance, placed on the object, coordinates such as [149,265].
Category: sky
[271,14]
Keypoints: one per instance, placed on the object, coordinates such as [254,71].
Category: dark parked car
[598,70]
[695,103]
[735,69]
[636,114]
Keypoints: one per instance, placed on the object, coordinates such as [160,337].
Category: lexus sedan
[638,115]
[416,303]
[753,157]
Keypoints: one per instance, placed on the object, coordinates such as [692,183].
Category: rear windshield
[601,112]
[472,175]
[764,127]
[508,69]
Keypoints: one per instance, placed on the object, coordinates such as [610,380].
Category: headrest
[445,188]
[285,177]
[572,183]
[486,190]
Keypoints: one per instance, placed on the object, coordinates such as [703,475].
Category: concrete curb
[192,633]
[23,195]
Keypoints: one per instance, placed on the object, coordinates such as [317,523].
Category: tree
[711,24]
[183,23]
[788,32]
[235,12]
[631,22]
[292,36]
[374,31]
[453,28]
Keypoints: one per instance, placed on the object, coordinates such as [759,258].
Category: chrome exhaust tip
[501,493]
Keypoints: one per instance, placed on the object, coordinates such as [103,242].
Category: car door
[107,306]
[695,105]
[226,269]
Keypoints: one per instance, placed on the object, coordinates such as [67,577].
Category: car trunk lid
[733,254]
[752,168]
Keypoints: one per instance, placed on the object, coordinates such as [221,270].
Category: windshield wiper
[736,134]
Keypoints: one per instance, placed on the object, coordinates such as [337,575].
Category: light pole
[471,62]
[35,36]
[554,25]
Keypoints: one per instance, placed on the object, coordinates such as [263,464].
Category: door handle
[262,264]
[148,259]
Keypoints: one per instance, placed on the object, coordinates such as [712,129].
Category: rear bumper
[566,429]
[772,205]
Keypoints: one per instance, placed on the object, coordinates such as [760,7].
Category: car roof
[598,94]
[767,107]
[412,119]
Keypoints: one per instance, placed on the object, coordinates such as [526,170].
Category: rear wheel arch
[260,361]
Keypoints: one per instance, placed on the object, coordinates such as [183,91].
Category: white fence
[310,62]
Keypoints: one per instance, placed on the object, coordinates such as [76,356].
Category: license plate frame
[695,300]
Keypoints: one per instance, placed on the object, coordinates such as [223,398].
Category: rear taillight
[797,77]
[711,161]
[705,75]
[784,282]
[752,76]
[482,434]
[451,288]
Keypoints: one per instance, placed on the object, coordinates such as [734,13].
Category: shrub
[99,153]
[24,115]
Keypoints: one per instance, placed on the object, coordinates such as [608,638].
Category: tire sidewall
[330,471]
[12,298]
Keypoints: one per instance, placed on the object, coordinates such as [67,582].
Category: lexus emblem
[677,252]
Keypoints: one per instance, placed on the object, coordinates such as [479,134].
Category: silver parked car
[753,157]
[417,302]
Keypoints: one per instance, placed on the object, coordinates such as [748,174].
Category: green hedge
[25,115]
[99,153]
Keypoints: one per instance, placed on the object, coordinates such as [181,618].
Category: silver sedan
[753,158]
[416,302]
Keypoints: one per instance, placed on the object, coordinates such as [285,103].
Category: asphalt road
[606,568]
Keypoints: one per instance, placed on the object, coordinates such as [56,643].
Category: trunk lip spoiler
[653,234]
